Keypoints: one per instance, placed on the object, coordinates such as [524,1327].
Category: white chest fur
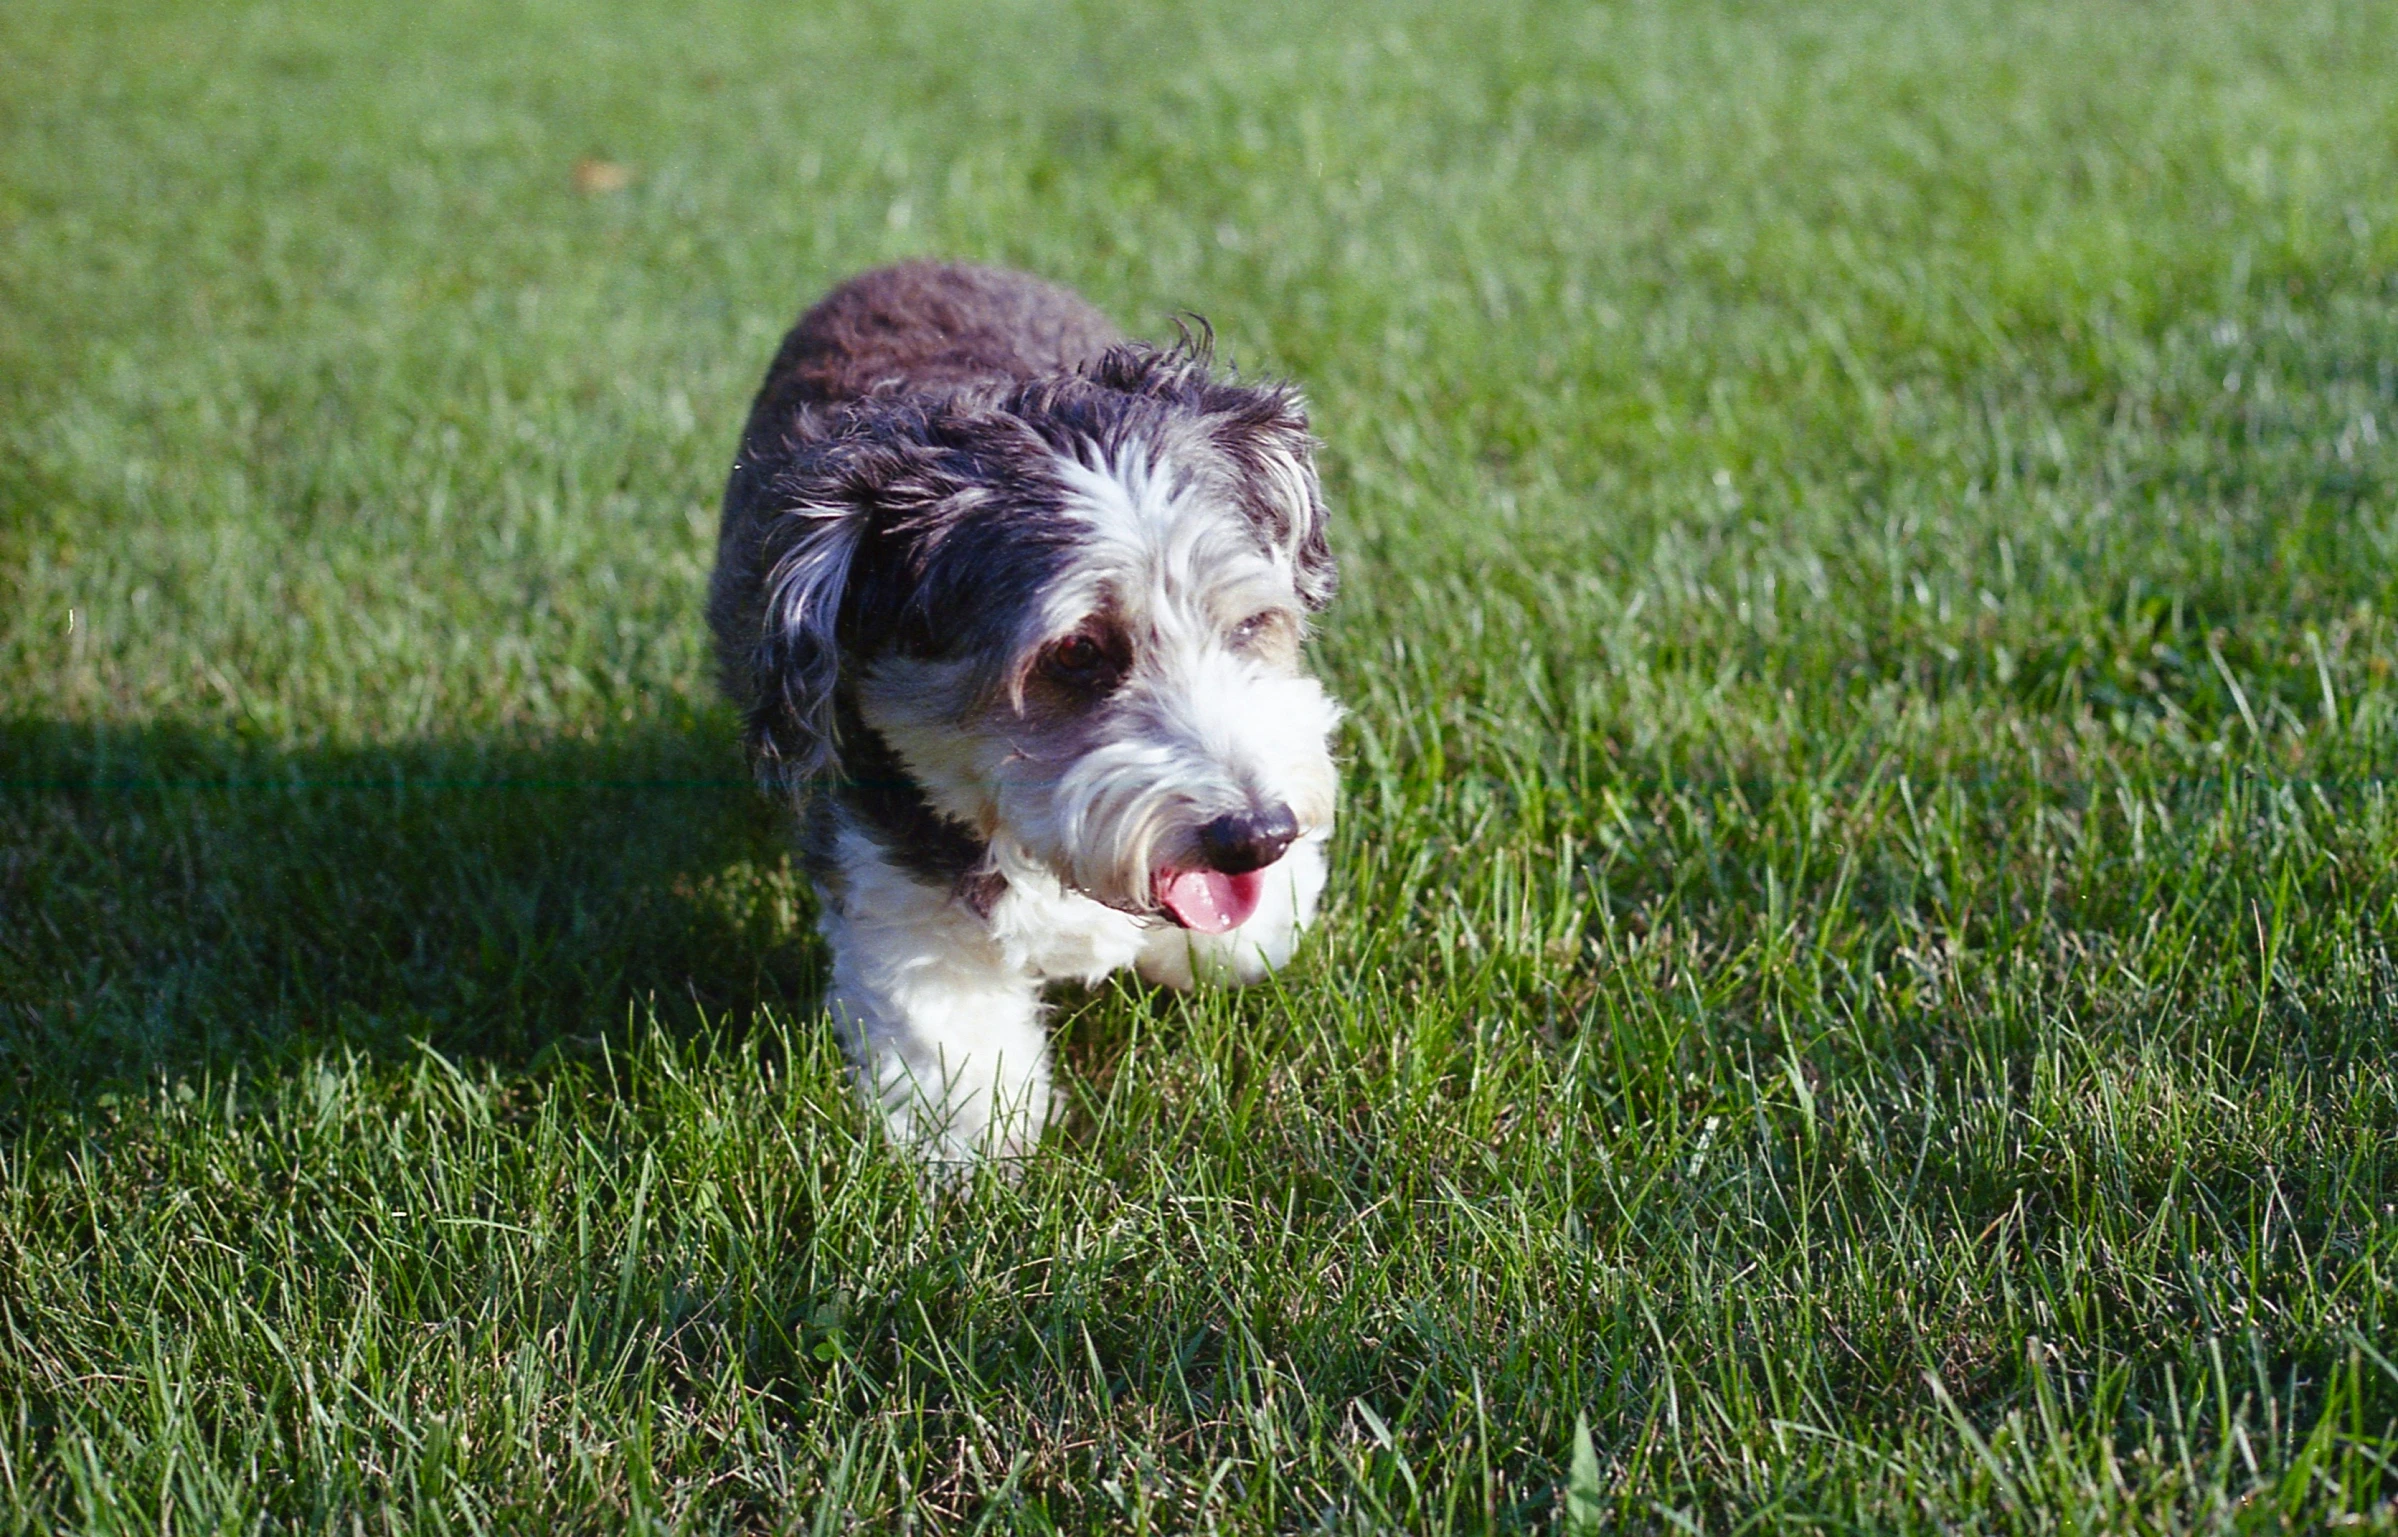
[940,1005]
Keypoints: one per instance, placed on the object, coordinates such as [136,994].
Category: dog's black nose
[1247,840]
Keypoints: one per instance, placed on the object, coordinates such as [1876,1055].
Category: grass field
[1860,988]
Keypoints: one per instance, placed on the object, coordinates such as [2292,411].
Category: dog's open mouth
[1209,900]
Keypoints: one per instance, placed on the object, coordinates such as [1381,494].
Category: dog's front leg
[946,1033]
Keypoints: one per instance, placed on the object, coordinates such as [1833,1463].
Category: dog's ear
[1261,428]
[827,513]
[1264,433]
[795,667]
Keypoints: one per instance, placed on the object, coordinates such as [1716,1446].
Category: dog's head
[1072,611]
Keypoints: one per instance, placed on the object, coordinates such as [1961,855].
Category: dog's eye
[1247,632]
[1078,661]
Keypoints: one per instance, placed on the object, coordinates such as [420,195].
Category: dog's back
[925,326]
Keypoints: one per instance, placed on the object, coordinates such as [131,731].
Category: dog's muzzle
[1223,892]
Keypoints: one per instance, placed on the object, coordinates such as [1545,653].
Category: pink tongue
[1209,900]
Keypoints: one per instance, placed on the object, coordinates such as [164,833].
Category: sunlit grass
[1860,962]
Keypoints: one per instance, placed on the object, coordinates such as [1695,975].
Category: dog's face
[1074,614]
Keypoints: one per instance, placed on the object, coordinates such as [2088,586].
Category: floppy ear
[1279,461]
[846,525]
[1262,428]
[795,666]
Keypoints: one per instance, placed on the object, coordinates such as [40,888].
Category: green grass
[1859,991]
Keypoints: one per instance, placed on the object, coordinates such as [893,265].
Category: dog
[1012,610]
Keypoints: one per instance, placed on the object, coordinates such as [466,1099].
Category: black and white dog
[1013,608]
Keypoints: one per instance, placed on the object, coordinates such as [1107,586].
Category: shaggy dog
[1013,610]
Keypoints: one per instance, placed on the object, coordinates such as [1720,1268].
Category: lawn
[1859,991]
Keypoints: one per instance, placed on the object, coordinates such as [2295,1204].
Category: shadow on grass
[176,902]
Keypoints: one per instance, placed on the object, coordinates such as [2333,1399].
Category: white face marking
[1195,716]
